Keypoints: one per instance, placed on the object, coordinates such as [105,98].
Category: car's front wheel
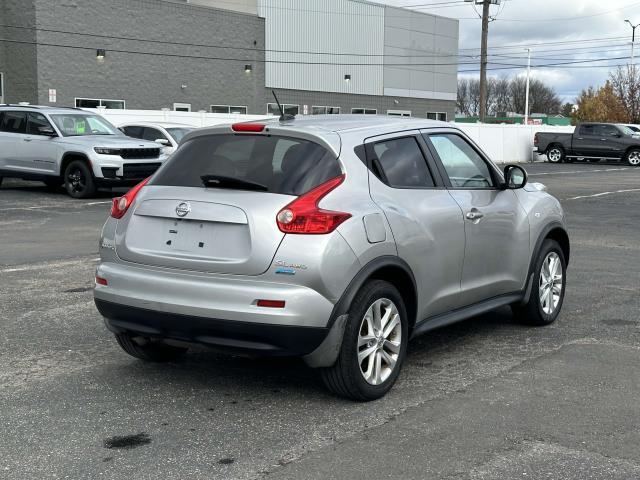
[78,180]
[633,157]
[547,292]
[149,349]
[374,344]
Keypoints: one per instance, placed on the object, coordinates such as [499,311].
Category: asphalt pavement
[484,399]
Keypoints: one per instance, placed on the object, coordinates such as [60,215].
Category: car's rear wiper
[219,181]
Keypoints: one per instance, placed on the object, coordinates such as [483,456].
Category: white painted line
[66,206]
[63,263]
[98,203]
[579,171]
[602,194]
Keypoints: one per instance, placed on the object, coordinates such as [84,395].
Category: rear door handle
[28,139]
[474,215]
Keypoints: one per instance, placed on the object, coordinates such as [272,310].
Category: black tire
[344,378]
[53,183]
[78,180]
[555,154]
[533,313]
[149,350]
[633,157]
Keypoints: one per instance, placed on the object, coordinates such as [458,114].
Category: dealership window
[365,111]
[442,116]
[228,109]
[399,113]
[181,107]
[100,102]
[325,110]
[289,109]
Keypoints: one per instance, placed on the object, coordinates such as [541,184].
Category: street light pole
[633,40]
[526,108]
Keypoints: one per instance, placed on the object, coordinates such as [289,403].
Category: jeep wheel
[149,349]
[633,157]
[374,344]
[547,292]
[555,154]
[78,180]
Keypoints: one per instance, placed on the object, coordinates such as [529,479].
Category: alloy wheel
[634,158]
[379,341]
[551,282]
[76,180]
[555,155]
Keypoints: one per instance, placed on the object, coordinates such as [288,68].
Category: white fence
[503,143]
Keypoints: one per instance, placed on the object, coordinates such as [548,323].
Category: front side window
[284,165]
[35,122]
[77,125]
[609,131]
[153,134]
[464,166]
[400,164]
[13,122]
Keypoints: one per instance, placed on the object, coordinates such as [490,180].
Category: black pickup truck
[592,142]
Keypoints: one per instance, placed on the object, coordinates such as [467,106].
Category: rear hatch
[212,207]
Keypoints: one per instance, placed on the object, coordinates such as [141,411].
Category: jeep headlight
[107,151]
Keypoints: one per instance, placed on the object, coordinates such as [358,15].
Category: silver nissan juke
[334,238]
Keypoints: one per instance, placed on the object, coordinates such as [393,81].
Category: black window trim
[431,166]
[29,114]
[26,120]
[493,170]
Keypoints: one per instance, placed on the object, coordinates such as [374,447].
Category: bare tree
[626,86]
[501,99]
[462,102]
[474,96]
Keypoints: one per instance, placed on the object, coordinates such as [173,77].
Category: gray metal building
[329,56]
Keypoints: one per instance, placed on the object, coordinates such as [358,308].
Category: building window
[100,102]
[325,110]
[272,109]
[399,113]
[181,107]
[365,111]
[442,116]
[228,109]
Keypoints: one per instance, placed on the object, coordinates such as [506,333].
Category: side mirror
[163,141]
[515,177]
[47,131]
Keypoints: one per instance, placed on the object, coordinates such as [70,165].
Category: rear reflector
[101,281]
[271,303]
[248,127]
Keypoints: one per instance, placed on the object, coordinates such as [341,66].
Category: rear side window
[589,130]
[284,165]
[13,122]
[400,164]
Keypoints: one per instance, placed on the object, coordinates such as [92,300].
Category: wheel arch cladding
[70,157]
[560,235]
[390,269]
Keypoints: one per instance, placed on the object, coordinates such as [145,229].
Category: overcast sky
[539,22]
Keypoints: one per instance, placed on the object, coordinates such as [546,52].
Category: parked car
[634,128]
[335,239]
[591,141]
[168,135]
[71,147]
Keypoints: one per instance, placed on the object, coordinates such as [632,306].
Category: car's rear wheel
[633,157]
[547,292]
[78,180]
[374,344]
[149,349]
[555,154]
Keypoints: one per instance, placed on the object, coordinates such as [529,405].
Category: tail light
[120,205]
[248,127]
[303,215]
[535,140]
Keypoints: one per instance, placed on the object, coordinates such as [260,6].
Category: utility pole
[483,59]
[633,40]
[526,108]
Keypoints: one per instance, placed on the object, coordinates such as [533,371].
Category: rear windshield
[284,165]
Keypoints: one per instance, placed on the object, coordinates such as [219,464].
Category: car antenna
[283,117]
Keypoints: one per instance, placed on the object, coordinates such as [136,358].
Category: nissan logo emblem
[183,209]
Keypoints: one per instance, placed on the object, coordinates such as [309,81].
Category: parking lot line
[39,266]
[579,171]
[602,194]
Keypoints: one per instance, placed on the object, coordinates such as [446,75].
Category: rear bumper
[230,335]
[213,310]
